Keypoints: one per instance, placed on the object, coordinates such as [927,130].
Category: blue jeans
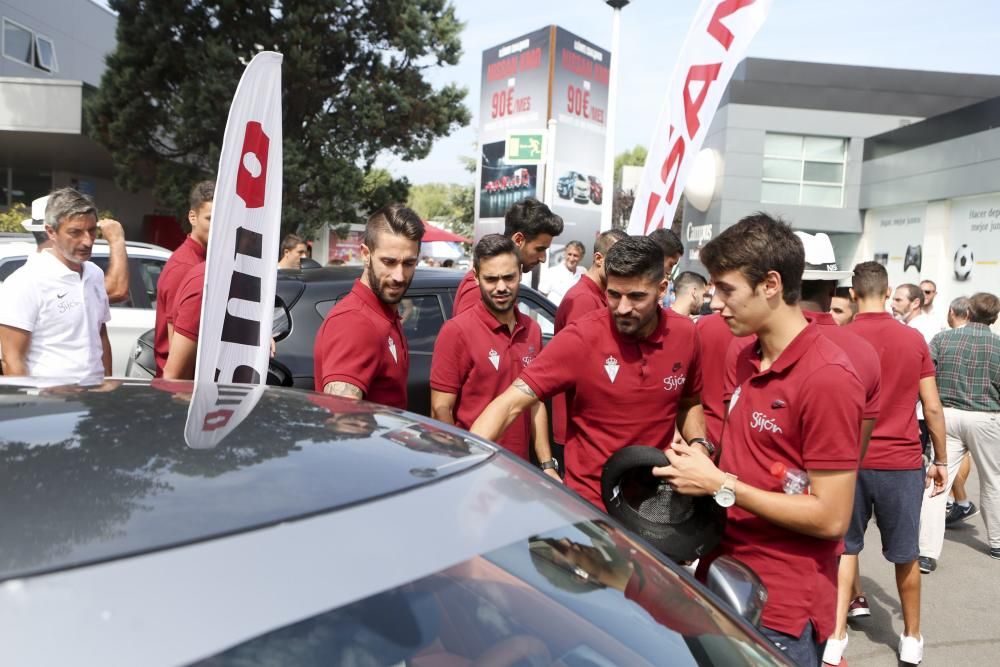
[803,650]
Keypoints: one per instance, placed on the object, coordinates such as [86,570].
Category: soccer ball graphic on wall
[963,262]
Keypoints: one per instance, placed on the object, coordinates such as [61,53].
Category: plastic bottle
[793,480]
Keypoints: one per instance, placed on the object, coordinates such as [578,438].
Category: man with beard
[54,309]
[689,291]
[531,225]
[360,350]
[609,362]
[481,351]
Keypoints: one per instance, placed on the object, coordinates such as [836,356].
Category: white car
[129,318]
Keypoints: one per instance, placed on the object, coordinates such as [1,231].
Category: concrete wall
[82,31]
[41,105]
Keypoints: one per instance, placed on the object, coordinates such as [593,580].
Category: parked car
[566,184]
[596,190]
[581,189]
[305,297]
[142,527]
[129,318]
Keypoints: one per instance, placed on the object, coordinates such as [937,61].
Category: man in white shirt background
[54,309]
[908,307]
[929,289]
[558,279]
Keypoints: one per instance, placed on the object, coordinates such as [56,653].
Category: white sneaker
[834,650]
[911,649]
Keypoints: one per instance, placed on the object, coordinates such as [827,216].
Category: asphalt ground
[960,602]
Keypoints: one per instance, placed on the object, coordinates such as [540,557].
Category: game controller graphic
[914,257]
[963,262]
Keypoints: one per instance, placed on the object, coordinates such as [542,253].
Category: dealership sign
[715,45]
[241,271]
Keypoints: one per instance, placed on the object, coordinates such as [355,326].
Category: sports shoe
[911,649]
[834,651]
[995,553]
[927,564]
[859,607]
[959,513]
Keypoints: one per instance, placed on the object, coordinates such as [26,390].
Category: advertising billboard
[897,241]
[975,245]
[515,96]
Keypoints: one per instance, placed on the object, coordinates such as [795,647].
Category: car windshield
[585,595]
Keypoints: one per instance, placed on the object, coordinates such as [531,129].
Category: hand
[691,472]
[551,472]
[111,230]
[274,347]
[939,476]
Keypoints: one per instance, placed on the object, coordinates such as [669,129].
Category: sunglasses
[928,291]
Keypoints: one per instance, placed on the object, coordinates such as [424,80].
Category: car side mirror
[281,325]
[738,586]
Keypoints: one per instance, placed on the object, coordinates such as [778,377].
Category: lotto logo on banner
[715,45]
[237,307]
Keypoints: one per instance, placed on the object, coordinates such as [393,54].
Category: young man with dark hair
[968,375]
[293,250]
[842,307]
[480,352]
[689,293]
[361,351]
[891,480]
[780,414]
[531,225]
[672,249]
[607,361]
[189,254]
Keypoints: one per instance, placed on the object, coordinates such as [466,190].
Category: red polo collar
[791,354]
[496,325]
[368,297]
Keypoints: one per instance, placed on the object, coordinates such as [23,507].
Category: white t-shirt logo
[762,422]
[611,368]
[495,359]
[392,349]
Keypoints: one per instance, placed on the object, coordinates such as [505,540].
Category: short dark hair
[290,242]
[669,242]
[577,245]
[983,308]
[493,245]
[607,239]
[201,193]
[686,279]
[754,246]
[395,219]
[913,292]
[870,280]
[634,257]
[843,293]
[961,307]
[818,290]
[532,218]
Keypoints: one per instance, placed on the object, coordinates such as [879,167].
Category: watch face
[725,497]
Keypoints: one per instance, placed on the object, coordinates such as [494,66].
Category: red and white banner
[715,45]
[237,308]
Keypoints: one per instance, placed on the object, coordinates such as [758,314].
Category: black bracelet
[709,447]
[938,463]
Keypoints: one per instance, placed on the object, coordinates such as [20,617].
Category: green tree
[10,220]
[635,157]
[449,203]
[353,89]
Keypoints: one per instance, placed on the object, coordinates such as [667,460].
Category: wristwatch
[709,447]
[726,495]
[551,464]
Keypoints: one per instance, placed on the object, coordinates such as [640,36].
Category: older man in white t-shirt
[54,309]
[557,280]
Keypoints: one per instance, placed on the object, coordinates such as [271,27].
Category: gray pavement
[960,605]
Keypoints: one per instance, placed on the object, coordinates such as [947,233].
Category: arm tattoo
[520,385]
[343,389]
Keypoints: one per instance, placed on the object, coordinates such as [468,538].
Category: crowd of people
[875,396]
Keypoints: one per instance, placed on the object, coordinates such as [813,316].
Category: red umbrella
[432,233]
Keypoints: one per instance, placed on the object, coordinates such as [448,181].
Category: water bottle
[793,480]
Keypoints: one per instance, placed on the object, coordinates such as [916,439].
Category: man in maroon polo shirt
[630,370]
[891,481]
[360,349]
[586,296]
[480,352]
[714,338]
[187,255]
[798,402]
[186,325]
[531,225]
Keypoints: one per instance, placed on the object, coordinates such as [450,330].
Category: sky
[953,36]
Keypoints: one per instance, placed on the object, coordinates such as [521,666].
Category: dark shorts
[895,497]
[803,650]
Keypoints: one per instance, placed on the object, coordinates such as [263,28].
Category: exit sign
[525,146]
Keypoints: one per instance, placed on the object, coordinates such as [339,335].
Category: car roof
[425,276]
[90,474]
[16,244]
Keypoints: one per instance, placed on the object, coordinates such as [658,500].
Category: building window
[28,48]
[803,170]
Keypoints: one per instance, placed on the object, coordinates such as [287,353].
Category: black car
[144,525]
[309,295]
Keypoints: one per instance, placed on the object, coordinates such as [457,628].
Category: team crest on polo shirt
[528,358]
[392,349]
[611,368]
[495,359]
